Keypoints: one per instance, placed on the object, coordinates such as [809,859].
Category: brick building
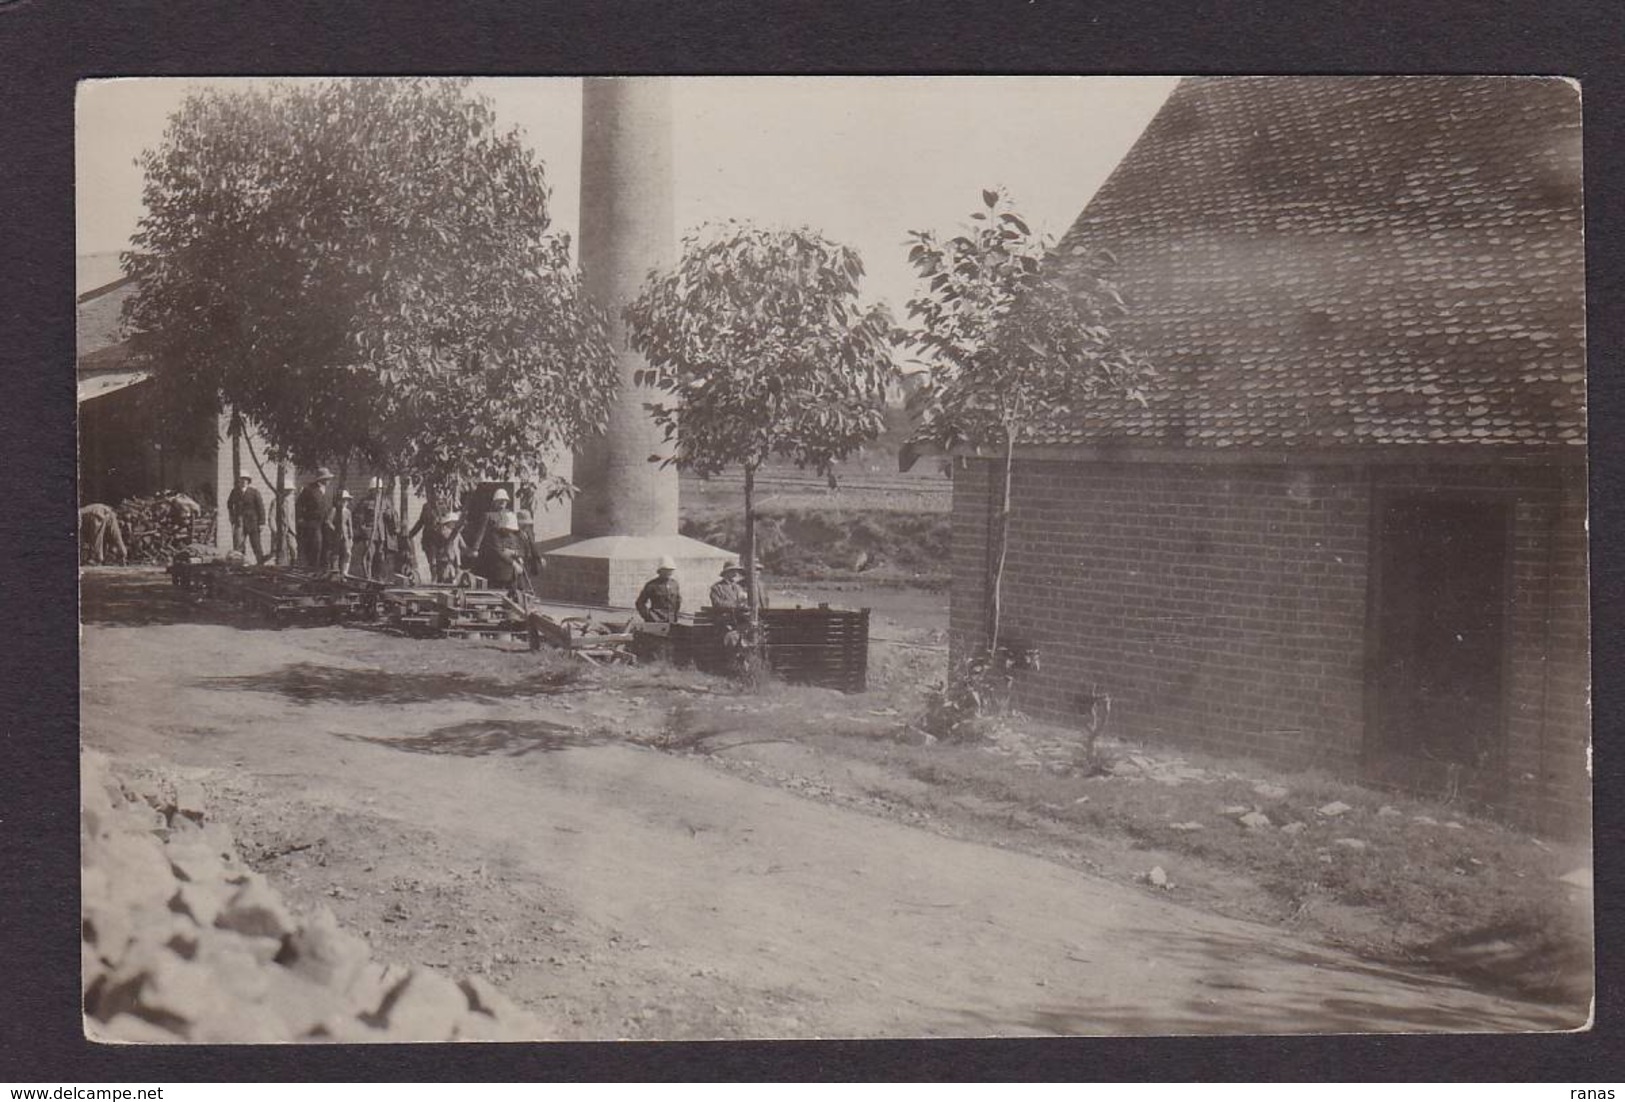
[1348,529]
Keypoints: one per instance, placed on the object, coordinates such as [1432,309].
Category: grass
[1461,894]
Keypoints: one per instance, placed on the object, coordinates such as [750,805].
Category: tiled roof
[99,339]
[1348,261]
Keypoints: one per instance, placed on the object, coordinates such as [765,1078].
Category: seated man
[661,599]
[730,594]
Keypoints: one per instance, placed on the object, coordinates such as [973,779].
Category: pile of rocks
[182,942]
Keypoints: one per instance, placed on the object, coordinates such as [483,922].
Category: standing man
[340,534]
[247,511]
[97,524]
[428,526]
[661,600]
[497,548]
[234,512]
[312,516]
[445,549]
[378,530]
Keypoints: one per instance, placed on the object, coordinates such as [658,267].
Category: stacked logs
[157,528]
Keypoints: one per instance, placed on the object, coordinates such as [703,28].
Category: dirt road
[620,891]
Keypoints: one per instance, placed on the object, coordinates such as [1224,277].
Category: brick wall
[1225,607]
[1548,720]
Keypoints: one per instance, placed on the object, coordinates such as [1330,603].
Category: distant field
[924,490]
[869,480]
[877,525]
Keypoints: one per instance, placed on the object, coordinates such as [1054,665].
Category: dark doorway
[1440,623]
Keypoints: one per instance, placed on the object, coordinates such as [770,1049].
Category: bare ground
[651,855]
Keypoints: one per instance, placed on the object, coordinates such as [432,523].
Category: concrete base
[611,570]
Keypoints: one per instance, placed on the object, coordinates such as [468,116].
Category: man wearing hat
[660,599]
[246,509]
[445,549]
[312,516]
[729,594]
[378,530]
[98,524]
[497,548]
[340,533]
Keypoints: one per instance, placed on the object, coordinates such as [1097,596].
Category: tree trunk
[1002,544]
[750,550]
[333,534]
[407,557]
[279,518]
[377,528]
[234,429]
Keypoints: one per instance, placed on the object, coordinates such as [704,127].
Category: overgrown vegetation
[837,543]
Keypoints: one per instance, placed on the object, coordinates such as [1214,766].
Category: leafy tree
[1004,338]
[363,270]
[759,341]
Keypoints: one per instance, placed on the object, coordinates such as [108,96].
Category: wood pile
[157,529]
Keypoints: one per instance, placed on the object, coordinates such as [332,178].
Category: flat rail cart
[284,596]
[471,612]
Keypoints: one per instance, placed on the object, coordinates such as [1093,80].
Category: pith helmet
[666,563]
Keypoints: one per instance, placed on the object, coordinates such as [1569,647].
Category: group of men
[661,599]
[334,533]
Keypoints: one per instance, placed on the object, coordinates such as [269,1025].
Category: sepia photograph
[732,558]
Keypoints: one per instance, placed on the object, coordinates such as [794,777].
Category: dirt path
[624,892]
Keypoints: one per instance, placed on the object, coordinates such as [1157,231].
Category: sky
[861,159]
